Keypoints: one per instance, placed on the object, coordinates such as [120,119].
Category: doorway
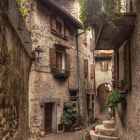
[48,118]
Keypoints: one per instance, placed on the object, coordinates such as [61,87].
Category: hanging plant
[97,11]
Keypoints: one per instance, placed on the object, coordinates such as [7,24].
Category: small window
[60,61]
[59,27]
[104,66]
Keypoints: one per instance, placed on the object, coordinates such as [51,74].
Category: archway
[103,92]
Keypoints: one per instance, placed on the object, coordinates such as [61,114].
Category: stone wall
[101,77]
[131,110]
[15,63]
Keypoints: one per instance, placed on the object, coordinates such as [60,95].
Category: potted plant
[69,115]
[114,99]
[82,138]
[121,84]
[110,114]
[94,123]
[87,135]
[42,132]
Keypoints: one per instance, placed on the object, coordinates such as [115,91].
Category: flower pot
[70,128]
[93,128]
[87,137]
[42,134]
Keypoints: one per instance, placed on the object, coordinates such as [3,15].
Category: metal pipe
[78,70]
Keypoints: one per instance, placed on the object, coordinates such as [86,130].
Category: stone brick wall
[131,110]
[101,77]
[15,63]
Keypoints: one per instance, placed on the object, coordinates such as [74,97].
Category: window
[104,66]
[60,61]
[59,28]
[122,68]
[85,67]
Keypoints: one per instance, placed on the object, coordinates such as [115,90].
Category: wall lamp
[37,53]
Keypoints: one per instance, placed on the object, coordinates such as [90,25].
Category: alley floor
[67,135]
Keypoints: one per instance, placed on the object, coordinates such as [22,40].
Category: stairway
[106,131]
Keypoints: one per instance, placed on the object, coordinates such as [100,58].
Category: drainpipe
[78,69]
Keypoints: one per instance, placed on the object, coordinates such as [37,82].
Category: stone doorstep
[95,136]
[109,124]
[100,129]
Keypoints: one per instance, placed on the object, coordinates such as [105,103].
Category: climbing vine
[23,10]
[96,11]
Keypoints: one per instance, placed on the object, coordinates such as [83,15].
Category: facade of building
[65,71]
[15,64]
[103,78]
[126,44]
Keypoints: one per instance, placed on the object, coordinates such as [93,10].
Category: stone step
[101,130]
[109,124]
[95,136]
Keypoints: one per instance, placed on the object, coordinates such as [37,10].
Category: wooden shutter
[66,32]
[85,67]
[85,41]
[106,66]
[127,69]
[116,70]
[92,70]
[91,44]
[67,64]
[53,60]
[53,23]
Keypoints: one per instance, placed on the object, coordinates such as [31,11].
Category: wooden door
[48,117]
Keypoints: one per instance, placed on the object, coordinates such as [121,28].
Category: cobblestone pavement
[66,135]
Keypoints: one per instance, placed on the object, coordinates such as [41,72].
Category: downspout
[78,70]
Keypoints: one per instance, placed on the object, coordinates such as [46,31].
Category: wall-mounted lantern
[38,52]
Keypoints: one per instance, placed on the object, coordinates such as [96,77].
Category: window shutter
[66,32]
[53,60]
[85,67]
[106,66]
[91,44]
[85,40]
[116,70]
[92,70]
[67,64]
[127,80]
[53,23]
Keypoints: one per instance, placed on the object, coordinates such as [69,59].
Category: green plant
[97,11]
[121,84]
[90,110]
[82,138]
[114,99]
[29,30]
[87,132]
[23,10]
[109,113]
[70,114]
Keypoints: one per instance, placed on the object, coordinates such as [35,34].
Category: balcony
[108,38]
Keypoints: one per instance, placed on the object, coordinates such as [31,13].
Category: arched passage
[103,92]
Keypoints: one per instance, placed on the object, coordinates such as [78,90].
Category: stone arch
[103,91]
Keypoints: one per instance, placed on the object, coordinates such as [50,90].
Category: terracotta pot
[93,128]
[70,128]
[87,137]
[42,134]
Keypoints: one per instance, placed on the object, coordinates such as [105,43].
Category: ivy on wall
[22,9]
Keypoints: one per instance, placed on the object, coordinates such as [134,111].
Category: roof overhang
[63,13]
[108,38]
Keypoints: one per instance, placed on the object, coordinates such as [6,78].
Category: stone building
[15,64]
[65,71]
[126,44]
[103,78]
